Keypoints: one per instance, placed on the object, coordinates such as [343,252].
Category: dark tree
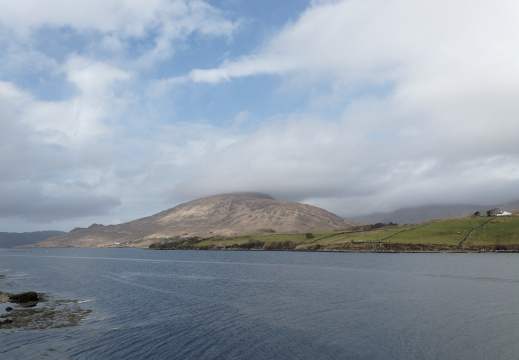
[491,212]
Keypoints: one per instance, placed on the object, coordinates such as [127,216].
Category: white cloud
[113,25]
[126,17]
[384,40]
[93,78]
[433,79]
[83,117]
[48,146]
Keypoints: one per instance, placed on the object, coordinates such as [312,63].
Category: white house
[503,213]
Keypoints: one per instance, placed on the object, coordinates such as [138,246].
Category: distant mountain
[415,215]
[229,214]
[9,240]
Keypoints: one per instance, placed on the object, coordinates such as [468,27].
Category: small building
[503,213]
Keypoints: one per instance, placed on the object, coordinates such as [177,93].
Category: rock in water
[6,322]
[24,297]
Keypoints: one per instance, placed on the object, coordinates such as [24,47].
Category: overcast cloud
[114,110]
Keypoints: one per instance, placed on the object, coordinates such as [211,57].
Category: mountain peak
[225,214]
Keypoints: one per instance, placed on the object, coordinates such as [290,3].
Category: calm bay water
[269,305]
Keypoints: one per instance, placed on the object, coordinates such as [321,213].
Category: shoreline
[362,251]
[35,311]
[363,248]
[358,247]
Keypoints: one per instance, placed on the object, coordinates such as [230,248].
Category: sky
[112,110]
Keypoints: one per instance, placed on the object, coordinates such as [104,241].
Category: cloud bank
[114,110]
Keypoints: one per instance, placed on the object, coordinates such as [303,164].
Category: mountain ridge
[12,239]
[225,214]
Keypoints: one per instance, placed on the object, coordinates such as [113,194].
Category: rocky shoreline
[26,299]
[34,311]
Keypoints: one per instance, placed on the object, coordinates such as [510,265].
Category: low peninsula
[473,234]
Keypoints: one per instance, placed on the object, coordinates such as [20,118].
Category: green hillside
[472,234]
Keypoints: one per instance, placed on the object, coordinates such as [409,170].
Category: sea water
[268,305]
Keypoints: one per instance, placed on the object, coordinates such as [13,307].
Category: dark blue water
[269,305]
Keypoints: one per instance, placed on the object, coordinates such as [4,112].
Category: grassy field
[503,230]
[499,233]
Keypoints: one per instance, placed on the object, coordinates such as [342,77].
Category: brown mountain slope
[215,215]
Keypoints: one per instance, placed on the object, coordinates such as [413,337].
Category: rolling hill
[419,214]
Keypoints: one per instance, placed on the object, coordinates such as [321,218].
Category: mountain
[8,240]
[228,214]
[415,215]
